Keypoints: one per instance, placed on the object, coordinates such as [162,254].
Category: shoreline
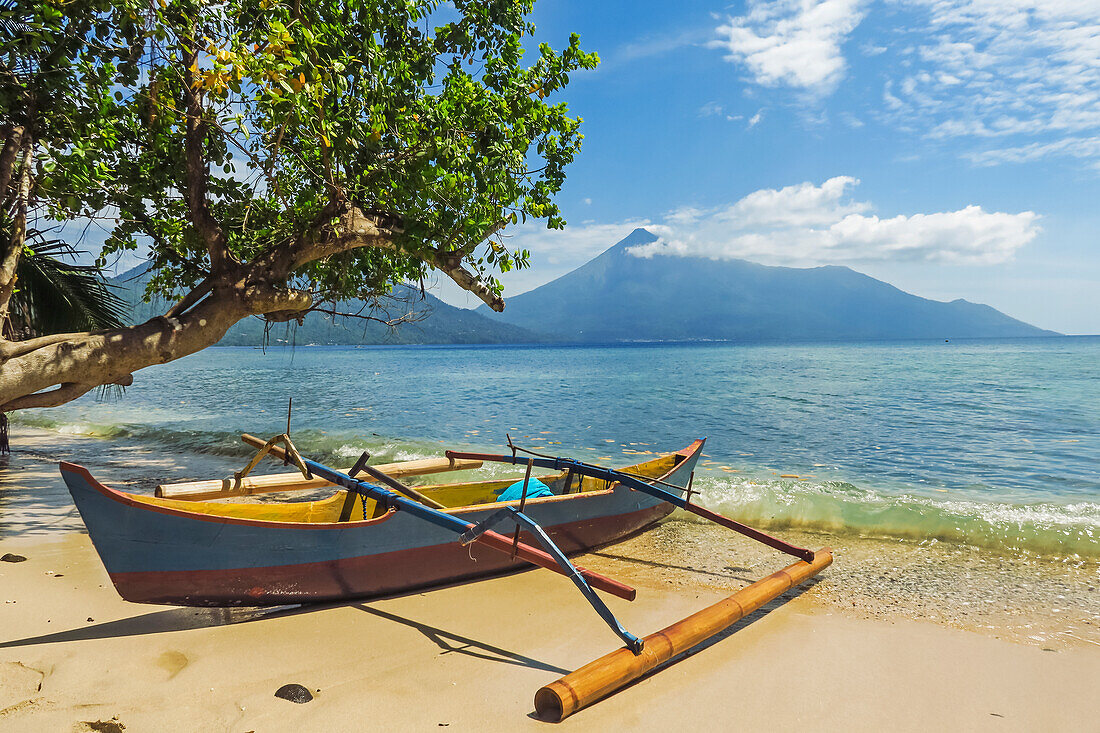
[470,656]
[1040,601]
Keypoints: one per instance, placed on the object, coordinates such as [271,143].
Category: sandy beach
[663,367]
[74,656]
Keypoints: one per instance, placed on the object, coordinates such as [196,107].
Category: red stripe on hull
[365,576]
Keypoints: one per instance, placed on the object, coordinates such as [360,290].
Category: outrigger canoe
[211,553]
[369,539]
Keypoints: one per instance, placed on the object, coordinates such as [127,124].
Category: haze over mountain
[618,296]
[441,323]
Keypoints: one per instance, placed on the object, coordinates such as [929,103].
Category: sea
[991,444]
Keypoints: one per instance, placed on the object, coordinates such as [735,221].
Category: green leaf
[433,128]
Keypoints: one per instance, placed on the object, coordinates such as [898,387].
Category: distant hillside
[441,324]
[620,297]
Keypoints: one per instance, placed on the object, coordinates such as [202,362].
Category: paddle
[628,480]
[459,526]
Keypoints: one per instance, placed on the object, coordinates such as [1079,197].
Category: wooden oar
[459,526]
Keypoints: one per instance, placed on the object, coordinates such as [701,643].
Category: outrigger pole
[632,482]
[553,559]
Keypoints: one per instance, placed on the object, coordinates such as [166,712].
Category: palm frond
[56,296]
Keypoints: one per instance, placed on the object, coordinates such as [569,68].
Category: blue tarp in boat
[535,489]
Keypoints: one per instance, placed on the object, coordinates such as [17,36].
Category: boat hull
[163,555]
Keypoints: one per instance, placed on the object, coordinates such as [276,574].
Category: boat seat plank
[219,488]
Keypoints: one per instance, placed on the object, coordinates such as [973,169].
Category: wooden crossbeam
[220,488]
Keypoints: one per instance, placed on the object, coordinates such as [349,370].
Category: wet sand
[1044,602]
[73,656]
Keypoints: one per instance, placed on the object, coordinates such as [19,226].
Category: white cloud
[655,45]
[851,120]
[555,252]
[982,71]
[755,119]
[650,46]
[807,224]
[711,109]
[1087,148]
[793,43]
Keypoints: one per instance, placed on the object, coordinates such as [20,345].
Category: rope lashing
[291,453]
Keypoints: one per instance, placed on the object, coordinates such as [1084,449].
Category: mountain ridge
[442,324]
[618,296]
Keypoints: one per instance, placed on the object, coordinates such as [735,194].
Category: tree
[273,156]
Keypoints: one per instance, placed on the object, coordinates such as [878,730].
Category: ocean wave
[836,507]
[338,448]
[1041,528]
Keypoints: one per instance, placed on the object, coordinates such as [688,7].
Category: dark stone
[294,693]
[12,558]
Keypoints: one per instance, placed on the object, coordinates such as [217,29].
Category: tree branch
[67,392]
[52,398]
[78,362]
[196,171]
[451,264]
[12,349]
[357,229]
[270,300]
[410,317]
[190,299]
[468,281]
[354,229]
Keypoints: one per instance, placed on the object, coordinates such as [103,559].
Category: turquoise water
[992,443]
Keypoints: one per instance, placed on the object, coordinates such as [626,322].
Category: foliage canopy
[276,154]
[443,128]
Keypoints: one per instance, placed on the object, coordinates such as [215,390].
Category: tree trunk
[13,143]
[13,248]
[55,369]
[80,362]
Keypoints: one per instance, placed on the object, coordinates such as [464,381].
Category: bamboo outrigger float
[616,670]
[370,539]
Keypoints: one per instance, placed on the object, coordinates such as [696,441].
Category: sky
[949,147]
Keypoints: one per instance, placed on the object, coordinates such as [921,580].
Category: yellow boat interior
[455,497]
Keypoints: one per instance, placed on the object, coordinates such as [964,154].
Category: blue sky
[950,147]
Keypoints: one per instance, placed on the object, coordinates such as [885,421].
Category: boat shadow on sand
[732,572]
[187,619]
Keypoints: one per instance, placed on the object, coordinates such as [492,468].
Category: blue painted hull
[157,554]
